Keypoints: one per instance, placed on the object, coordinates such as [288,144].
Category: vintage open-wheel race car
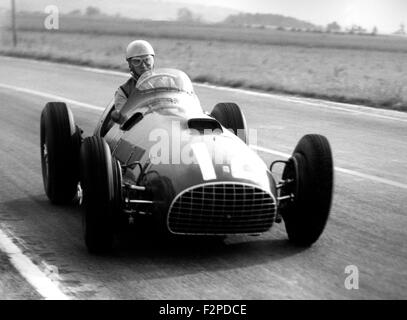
[161,156]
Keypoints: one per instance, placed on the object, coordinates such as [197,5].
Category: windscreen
[170,79]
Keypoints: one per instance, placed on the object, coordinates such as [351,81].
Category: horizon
[385,15]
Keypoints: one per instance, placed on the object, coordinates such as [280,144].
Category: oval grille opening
[223,208]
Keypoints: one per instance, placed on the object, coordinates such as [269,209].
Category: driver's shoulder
[128,86]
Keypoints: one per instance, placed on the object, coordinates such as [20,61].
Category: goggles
[137,61]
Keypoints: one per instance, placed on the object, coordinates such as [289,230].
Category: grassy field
[357,69]
[224,33]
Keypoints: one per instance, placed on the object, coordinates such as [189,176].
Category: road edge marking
[51,96]
[48,289]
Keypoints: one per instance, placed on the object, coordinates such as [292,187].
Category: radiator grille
[226,208]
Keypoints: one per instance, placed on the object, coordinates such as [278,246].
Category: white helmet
[139,48]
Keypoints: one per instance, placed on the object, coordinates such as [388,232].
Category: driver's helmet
[139,48]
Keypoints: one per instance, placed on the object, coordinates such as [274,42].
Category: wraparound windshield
[170,79]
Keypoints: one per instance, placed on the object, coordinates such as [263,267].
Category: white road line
[346,107]
[341,170]
[277,153]
[104,71]
[41,283]
[355,109]
[51,96]
[373,178]
[259,148]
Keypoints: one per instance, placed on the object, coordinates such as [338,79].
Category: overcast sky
[385,14]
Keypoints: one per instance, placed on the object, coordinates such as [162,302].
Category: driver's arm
[120,99]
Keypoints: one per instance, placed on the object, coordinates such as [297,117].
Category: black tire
[161,192]
[60,143]
[231,117]
[312,171]
[101,185]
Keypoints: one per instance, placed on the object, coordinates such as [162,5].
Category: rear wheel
[60,143]
[231,117]
[101,185]
[311,172]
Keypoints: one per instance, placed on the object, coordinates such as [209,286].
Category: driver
[140,57]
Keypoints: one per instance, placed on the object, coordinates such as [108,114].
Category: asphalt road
[367,228]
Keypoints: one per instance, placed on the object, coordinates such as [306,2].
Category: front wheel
[310,171]
[101,184]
